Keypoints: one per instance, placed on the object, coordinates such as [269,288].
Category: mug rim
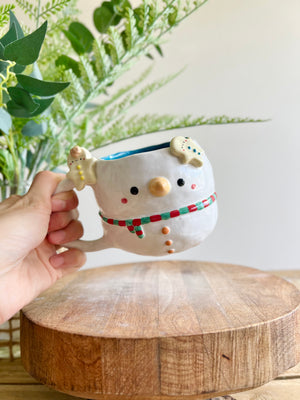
[123,154]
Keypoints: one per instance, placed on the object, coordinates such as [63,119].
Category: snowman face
[149,183]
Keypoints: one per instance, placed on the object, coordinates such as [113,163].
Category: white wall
[242,59]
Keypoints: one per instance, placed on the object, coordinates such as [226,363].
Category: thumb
[43,187]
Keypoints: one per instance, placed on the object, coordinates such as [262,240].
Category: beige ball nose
[159,186]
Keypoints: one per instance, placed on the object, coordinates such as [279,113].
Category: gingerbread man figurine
[187,150]
[82,167]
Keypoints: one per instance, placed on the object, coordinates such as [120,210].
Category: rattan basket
[10,339]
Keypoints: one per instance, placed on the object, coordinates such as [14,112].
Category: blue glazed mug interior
[123,154]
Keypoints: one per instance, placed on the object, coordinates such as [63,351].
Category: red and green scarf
[135,225]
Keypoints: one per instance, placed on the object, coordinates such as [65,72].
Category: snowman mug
[156,200]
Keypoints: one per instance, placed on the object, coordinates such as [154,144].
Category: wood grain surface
[16,384]
[162,329]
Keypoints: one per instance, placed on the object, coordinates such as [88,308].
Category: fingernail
[57,260]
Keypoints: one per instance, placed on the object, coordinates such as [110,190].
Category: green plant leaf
[18,68]
[75,42]
[17,111]
[5,97]
[22,98]
[21,112]
[43,105]
[159,50]
[5,121]
[31,128]
[120,6]
[13,20]
[29,159]
[131,32]
[80,37]
[39,87]
[68,63]
[3,67]
[7,165]
[1,50]
[172,17]
[105,16]
[10,36]
[25,51]
[138,13]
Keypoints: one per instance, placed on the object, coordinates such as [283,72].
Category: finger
[43,187]
[64,201]
[59,220]
[72,232]
[70,259]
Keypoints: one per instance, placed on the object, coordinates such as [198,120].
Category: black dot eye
[134,190]
[180,182]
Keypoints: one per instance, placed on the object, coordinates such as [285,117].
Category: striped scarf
[135,225]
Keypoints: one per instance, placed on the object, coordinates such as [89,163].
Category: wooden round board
[162,330]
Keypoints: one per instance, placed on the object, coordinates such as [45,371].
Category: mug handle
[83,245]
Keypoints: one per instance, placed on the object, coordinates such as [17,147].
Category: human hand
[32,228]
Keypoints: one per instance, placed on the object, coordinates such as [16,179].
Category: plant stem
[38,14]
[11,147]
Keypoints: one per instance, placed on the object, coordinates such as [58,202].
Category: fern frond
[115,45]
[53,7]
[136,126]
[28,8]
[102,61]
[83,128]
[131,32]
[74,93]
[61,110]
[4,14]
[110,114]
[153,12]
[52,127]
[88,78]
[185,8]
[121,92]
[144,15]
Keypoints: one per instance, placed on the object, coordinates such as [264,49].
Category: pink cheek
[124,200]
[193,186]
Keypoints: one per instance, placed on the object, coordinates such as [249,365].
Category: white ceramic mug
[154,201]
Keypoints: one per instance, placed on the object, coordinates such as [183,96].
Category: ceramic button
[168,242]
[165,230]
[171,251]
